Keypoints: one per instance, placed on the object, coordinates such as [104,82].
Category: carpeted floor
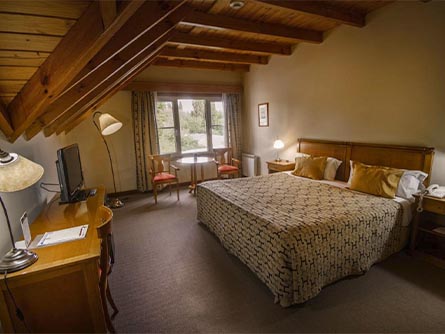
[172,275]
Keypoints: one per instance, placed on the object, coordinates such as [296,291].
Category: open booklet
[65,235]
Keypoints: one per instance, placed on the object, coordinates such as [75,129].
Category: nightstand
[430,225]
[280,166]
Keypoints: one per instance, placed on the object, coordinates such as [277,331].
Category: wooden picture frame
[263,114]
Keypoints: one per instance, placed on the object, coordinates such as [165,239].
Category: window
[190,125]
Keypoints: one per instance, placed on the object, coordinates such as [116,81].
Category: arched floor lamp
[107,126]
[16,173]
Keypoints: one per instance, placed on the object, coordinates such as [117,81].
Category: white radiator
[249,164]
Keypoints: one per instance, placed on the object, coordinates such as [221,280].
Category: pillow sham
[375,180]
[310,167]
[330,170]
[410,183]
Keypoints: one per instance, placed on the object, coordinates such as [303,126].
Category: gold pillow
[310,167]
[375,180]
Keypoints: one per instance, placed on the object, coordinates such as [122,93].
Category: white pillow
[410,182]
[330,170]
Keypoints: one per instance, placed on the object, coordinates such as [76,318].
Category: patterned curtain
[232,106]
[145,135]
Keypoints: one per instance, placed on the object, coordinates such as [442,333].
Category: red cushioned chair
[160,173]
[225,164]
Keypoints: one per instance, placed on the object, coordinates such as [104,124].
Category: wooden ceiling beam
[217,56]
[240,24]
[150,13]
[73,52]
[201,64]
[68,101]
[231,44]
[5,123]
[108,10]
[322,9]
[95,104]
[175,87]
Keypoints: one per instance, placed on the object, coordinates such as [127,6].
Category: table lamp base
[17,259]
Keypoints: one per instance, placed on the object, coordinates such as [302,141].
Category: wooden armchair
[225,164]
[160,173]
[106,260]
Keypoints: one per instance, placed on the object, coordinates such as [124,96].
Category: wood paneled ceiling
[62,59]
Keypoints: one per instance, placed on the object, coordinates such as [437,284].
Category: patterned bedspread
[297,235]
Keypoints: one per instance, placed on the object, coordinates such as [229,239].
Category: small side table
[192,162]
[280,166]
[431,222]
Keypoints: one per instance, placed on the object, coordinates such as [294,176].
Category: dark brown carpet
[172,275]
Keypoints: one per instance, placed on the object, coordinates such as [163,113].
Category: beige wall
[383,83]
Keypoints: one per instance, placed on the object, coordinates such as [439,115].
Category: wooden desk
[60,292]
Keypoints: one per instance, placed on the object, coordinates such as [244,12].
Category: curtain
[232,106]
[145,135]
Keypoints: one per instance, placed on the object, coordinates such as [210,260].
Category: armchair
[161,173]
[225,164]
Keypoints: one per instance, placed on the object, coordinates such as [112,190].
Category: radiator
[249,164]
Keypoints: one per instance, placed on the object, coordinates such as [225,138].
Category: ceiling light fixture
[237,4]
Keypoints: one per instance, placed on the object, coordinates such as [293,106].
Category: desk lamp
[278,144]
[107,126]
[16,173]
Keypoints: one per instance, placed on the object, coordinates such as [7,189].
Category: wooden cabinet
[280,166]
[60,292]
[428,232]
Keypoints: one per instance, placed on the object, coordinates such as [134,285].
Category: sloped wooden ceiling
[60,60]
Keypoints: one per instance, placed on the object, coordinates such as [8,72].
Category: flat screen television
[69,170]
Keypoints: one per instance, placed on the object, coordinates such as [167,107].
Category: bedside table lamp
[278,144]
[107,126]
[16,173]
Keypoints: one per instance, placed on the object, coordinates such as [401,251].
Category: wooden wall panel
[16,73]
[65,9]
[39,25]
[26,42]
[22,58]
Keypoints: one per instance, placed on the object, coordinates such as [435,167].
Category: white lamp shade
[108,124]
[278,144]
[19,174]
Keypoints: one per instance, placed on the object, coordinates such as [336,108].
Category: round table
[193,161]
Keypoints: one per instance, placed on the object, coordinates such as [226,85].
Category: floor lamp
[16,173]
[107,126]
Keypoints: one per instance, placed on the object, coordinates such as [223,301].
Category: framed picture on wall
[263,114]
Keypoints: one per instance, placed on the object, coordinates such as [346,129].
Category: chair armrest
[175,169]
[236,162]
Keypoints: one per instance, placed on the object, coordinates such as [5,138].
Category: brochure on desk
[56,237]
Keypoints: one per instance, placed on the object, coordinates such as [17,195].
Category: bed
[299,235]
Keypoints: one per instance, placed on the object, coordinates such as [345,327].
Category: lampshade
[108,124]
[278,144]
[17,173]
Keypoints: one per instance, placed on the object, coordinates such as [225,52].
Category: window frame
[173,98]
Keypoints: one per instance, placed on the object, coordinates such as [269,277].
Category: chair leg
[111,301]
[155,193]
[177,189]
[103,297]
